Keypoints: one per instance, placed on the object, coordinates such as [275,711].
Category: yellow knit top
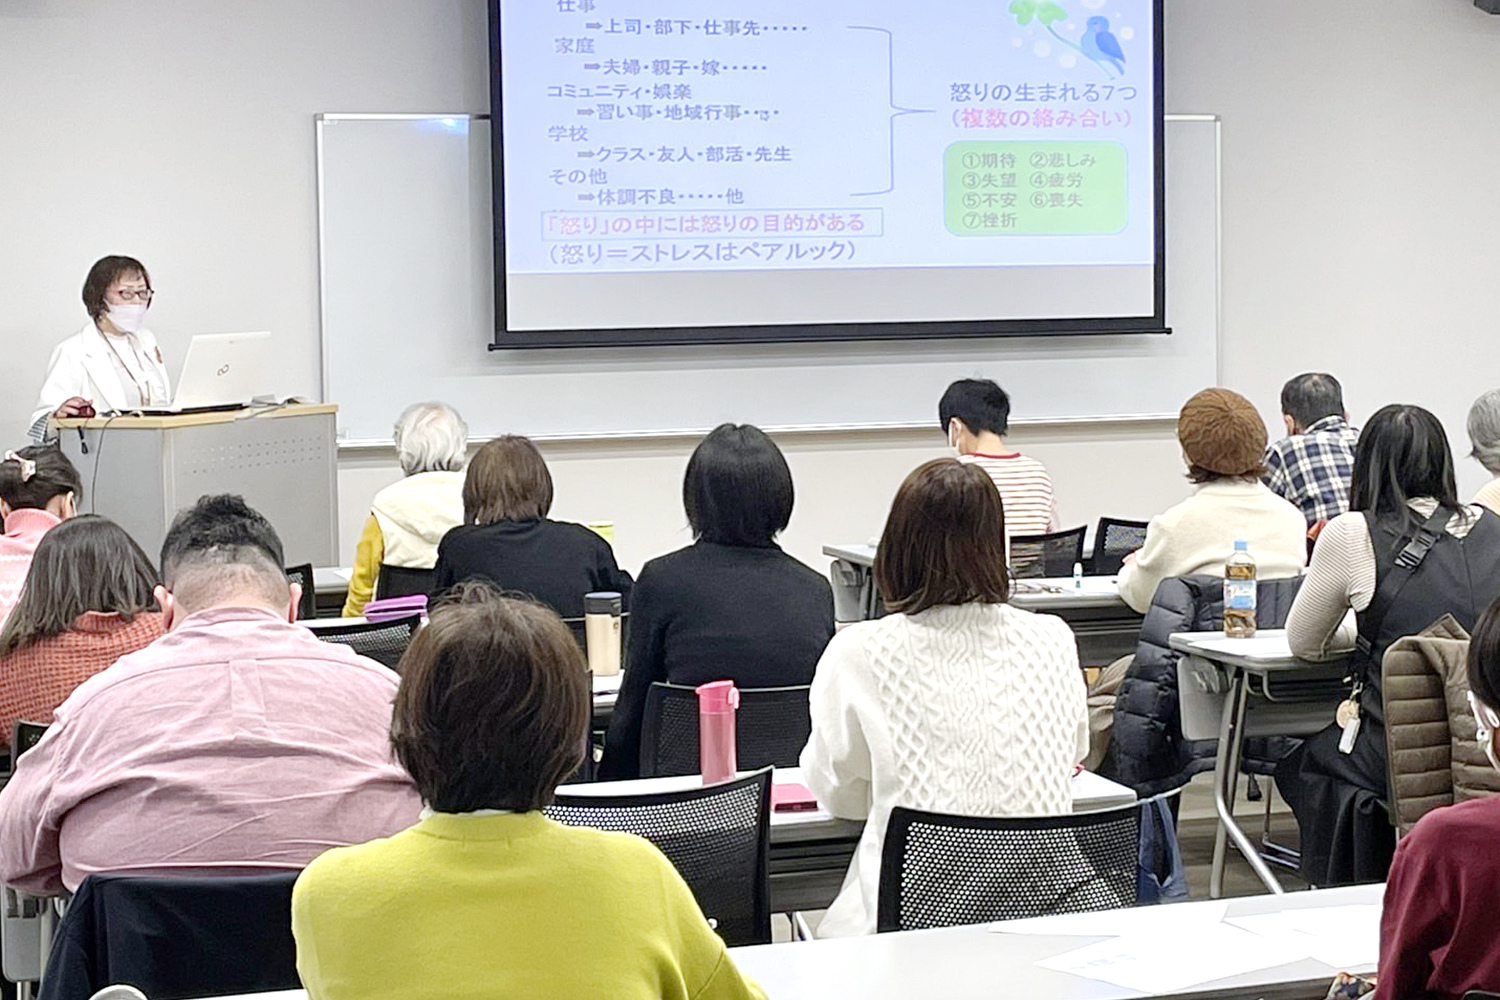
[508,905]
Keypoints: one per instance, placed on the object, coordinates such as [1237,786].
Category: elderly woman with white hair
[409,517]
[1484,436]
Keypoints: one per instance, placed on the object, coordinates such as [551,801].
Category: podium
[140,471]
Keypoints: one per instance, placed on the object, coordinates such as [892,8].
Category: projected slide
[703,164]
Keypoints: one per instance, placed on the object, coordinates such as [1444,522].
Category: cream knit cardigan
[978,709]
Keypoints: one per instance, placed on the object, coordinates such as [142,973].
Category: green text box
[1034,188]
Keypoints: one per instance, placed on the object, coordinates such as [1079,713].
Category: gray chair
[940,870]
[1053,554]
[384,642]
[302,575]
[1113,541]
[771,728]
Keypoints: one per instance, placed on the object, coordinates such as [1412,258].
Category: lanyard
[142,388]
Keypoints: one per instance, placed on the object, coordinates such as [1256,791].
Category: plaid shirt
[1312,469]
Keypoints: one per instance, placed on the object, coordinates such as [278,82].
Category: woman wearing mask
[113,364]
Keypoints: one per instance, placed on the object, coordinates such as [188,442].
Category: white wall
[1360,216]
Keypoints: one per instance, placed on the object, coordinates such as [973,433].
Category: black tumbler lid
[603,602]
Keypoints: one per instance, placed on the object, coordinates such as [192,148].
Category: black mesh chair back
[383,642]
[1034,556]
[402,581]
[717,837]
[303,576]
[1113,541]
[25,735]
[939,870]
[175,936]
[770,729]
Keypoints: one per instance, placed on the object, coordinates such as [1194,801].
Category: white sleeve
[58,386]
[836,761]
[1340,580]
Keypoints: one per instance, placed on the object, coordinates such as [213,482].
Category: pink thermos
[716,751]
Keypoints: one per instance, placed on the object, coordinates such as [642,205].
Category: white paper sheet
[1156,963]
[1137,920]
[1345,937]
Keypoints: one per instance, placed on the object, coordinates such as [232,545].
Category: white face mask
[126,316]
[1486,722]
[953,436]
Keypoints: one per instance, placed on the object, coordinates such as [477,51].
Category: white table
[1106,627]
[1295,697]
[974,963]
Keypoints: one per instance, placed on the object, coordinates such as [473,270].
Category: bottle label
[1239,595]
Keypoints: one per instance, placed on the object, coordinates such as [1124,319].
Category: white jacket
[977,709]
[415,513]
[81,366]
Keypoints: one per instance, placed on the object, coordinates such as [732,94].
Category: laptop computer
[222,371]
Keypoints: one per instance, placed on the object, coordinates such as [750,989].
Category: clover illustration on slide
[1098,44]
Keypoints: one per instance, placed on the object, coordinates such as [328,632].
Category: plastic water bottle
[1239,593]
[717,703]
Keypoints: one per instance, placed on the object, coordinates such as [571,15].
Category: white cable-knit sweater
[978,709]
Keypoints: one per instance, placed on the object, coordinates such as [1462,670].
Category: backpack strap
[1408,559]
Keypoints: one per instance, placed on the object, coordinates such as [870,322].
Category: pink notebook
[792,797]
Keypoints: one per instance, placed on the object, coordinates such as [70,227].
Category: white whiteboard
[405,252]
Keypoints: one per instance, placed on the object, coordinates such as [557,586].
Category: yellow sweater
[510,905]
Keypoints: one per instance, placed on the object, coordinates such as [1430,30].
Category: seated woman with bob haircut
[507,539]
[486,896]
[86,602]
[954,702]
[731,606]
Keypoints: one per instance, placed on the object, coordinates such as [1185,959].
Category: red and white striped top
[1025,489]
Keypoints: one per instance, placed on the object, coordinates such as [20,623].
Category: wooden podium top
[200,419]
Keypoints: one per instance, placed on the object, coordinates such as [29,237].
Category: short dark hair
[221,542]
[979,403]
[494,703]
[105,272]
[1312,396]
[1484,657]
[87,563]
[507,480]
[944,541]
[54,476]
[738,488]
[1402,453]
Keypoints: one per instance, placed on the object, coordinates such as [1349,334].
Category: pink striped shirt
[1025,489]
[235,741]
[24,529]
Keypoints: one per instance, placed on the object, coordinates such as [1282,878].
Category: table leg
[1226,766]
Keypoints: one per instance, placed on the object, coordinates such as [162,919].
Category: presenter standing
[113,364]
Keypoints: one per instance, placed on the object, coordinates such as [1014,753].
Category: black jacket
[1149,752]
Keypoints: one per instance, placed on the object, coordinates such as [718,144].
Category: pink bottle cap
[718,696]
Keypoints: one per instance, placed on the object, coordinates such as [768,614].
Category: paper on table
[1169,919]
[1274,644]
[1345,937]
[607,683]
[1154,963]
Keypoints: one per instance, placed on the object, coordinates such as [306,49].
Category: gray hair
[1484,430]
[431,437]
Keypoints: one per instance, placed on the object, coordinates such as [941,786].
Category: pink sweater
[24,529]
[236,741]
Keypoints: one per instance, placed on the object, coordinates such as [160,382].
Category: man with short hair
[975,414]
[1312,465]
[237,741]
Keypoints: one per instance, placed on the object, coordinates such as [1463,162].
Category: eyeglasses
[134,294]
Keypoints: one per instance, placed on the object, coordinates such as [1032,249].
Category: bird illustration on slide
[1098,43]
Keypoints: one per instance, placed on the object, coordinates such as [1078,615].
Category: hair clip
[28,467]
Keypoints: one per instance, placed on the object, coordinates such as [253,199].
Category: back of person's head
[494,703]
[1484,431]
[979,403]
[507,481]
[1222,436]
[431,437]
[221,552]
[87,563]
[1402,454]
[944,541]
[738,488]
[39,477]
[1311,397]
[105,272]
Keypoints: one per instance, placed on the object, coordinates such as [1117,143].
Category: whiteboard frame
[789,429]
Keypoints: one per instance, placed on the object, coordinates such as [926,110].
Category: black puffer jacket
[1149,751]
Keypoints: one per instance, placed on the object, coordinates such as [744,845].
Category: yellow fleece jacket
[508,905]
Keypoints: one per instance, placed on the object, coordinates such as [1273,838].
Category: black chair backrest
[303,576]
[716,836]
[383,642]
[24,736]
[770,729]
[402,581]
[1113,541]
[180,936]
[939,870]
[1046,555]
